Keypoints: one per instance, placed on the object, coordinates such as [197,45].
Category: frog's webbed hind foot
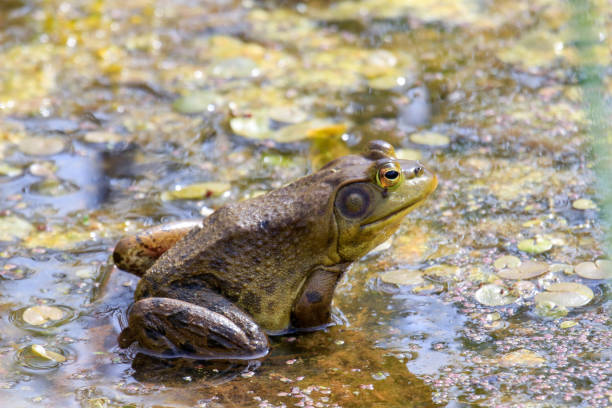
[174,327]
[137,253]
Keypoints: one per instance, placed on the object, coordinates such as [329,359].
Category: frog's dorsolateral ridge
[213,288]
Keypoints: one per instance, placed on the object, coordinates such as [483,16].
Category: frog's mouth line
[402,211]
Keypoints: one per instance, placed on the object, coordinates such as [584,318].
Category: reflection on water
[427,333]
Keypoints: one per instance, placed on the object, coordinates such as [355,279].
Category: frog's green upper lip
[392,214]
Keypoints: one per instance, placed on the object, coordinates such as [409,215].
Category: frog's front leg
[212,328]
[313,307]
[137,253]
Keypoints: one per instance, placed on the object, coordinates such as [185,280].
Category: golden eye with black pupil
[389,175]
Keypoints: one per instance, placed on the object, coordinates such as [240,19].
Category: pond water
[116,115]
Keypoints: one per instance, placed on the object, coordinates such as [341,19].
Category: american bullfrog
[215,288]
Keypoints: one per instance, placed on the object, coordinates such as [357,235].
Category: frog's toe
[170,326]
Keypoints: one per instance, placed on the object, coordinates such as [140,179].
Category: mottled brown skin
[265,265]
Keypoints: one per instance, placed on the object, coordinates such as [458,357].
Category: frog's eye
[389,175]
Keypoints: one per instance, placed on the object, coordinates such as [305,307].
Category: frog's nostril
[418,171]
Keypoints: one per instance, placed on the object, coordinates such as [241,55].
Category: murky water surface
[118,115]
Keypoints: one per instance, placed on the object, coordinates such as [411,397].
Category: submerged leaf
[288,114]
[430,138]
[408,154]
[584,204]
[506,261]
[522,357]
[253,127]
[41,146]
[102,136]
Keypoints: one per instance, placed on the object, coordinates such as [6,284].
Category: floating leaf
[40,351]
[408,154]
[238,67]
[441,270]
[494,295]
[58,238]
[534,49]
[288,114]
[336,129]
[38,315]
[524,288]
[550,310]
[253,127]
[566,294]
[40,318]
[102,137]
[584,204]
[196,191]
[522,357]
[506,261]
[565,268]
[85,273]
[53,187]
[567,324]
[8,170]
[318,129]
[15,272]
[43,169]
[430,138]
[403,277]
[526,270]
[196,102]
[41,146]
[12,227]
[324,150]
[535,246]
[386,81]
[600,269]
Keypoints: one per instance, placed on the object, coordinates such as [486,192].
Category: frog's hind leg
[211,328]
[136,253]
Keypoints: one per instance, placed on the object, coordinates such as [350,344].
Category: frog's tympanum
[213,288]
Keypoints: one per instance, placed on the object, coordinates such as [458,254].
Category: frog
[218,287]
